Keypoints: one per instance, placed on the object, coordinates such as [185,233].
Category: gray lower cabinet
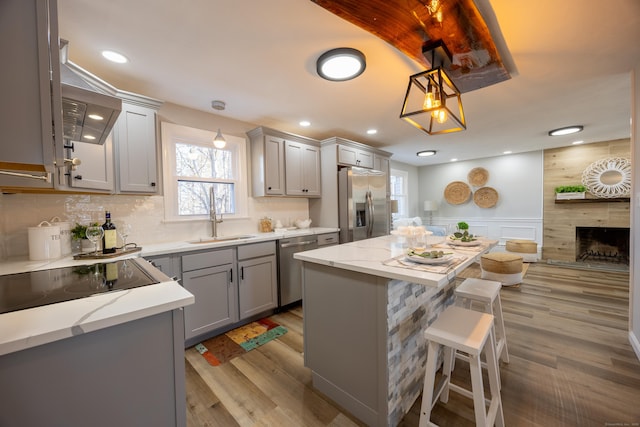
[209,277]
[169,265]
[131,374]
[258,288]
[231,286]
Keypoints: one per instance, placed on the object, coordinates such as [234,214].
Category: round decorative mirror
[608,178]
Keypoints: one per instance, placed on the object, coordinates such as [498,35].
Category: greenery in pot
[570,189]
[463,233]
[79,232]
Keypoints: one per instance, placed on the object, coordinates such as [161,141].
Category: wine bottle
[109,240]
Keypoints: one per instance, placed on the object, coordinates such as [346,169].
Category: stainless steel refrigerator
[362,204]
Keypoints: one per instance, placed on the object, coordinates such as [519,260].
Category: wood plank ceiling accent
[408,24]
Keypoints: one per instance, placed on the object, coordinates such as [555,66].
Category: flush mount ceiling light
[426,153]
[433,103]
[568,130]
[341,64]
[114,56]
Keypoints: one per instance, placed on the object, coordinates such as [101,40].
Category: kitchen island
[114,358]
[365,309]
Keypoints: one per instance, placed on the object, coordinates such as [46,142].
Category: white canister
[44,242]
[65,235]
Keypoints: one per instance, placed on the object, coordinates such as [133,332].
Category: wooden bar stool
[486,294]
[472,332]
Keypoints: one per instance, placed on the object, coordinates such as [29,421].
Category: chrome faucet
[212,214]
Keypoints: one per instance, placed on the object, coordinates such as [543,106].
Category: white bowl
[302,223]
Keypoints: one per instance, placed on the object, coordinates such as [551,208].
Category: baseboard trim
[635,344]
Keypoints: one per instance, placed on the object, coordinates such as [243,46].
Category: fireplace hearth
[602,245]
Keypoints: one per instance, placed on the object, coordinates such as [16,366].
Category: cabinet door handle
[153,184]
[77,177]
[241,273]
[268,188]
[231,275]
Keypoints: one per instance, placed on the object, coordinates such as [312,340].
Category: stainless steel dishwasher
[290,270]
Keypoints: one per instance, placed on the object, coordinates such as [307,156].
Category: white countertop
[367,256]
[28,328]
[22,264]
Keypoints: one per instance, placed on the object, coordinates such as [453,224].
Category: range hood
[89,111]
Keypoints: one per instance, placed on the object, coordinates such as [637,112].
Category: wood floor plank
[571,364]
[244,401]
[203,406]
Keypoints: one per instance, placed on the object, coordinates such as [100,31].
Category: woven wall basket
[478,177]
[485,197]
[457,192]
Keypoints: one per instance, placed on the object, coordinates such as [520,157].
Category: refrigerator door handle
[370,209]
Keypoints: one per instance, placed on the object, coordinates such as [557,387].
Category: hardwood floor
[571,365]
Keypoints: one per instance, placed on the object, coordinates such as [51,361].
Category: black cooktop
[36,288]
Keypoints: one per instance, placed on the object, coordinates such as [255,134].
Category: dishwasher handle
[294,244]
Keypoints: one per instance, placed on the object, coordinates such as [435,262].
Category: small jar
[265,225]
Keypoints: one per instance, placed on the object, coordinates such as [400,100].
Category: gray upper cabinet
[135,145]
[126,162]
[30,87]
[284,164]
[95,173]
[350,156]
[267,159]
[302,169]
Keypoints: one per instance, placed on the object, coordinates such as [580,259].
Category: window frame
[403,201]
[173,134]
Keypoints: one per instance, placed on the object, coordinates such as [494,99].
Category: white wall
[634,289]
[518,179]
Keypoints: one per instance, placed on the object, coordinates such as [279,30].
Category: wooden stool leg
[429,383]
[500,331]
[447,369]
[494,414]
[478,390]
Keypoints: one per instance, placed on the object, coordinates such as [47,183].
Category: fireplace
[602,245]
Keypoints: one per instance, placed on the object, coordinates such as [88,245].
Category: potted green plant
[463,234]
[79,236]
[566,192]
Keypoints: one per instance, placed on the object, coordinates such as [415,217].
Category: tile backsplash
[144,213]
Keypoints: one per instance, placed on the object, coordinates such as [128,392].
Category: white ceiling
[573,60]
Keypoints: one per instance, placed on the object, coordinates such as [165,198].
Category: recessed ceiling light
[89,137]
[426,153]
[577,142]
[372,131]
[341,64]
[568,130]
[305,123]
[114,56]
[507,152]
[96,117]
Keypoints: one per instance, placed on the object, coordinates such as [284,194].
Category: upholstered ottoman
[503,267]
[527,249]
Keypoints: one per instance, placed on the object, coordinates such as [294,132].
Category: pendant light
[219,141]
[433,103]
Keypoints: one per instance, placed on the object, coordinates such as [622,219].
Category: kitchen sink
[204,240]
